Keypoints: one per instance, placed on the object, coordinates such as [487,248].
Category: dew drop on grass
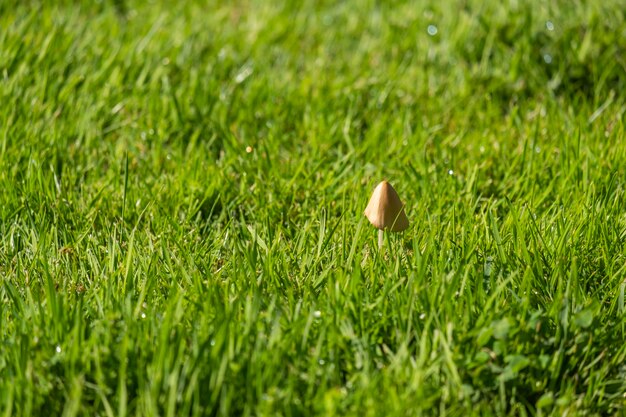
[432,30]
[212,342]
[243,74]
[58,349]
[550,25]
[488,267]
[547,58]
[321,362]
[143,315]
[450,172]
[422,316]
[317,314]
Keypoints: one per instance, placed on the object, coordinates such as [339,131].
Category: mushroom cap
[385,210]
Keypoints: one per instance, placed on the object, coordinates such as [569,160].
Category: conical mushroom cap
[385,210]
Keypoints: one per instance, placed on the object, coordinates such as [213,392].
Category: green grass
[152,265]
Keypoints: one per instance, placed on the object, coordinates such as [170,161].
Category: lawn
[182,188]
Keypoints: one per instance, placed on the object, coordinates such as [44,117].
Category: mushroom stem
[381,238]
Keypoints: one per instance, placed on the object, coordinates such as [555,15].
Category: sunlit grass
[182,190]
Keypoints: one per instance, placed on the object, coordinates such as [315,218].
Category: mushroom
[385,211]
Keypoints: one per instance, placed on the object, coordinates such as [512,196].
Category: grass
[182,189]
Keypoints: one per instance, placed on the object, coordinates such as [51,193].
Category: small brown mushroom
[385,211]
